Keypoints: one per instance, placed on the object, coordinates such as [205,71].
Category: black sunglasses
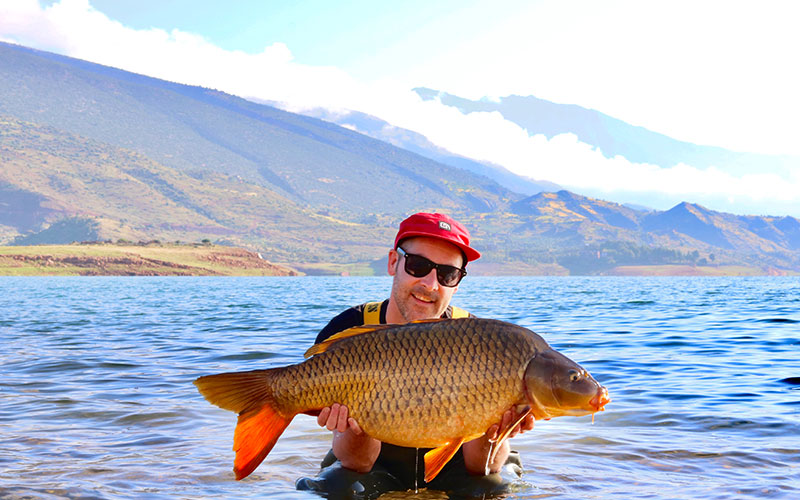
[418,266]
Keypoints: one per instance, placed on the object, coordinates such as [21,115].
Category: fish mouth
[600,400]
[596,404]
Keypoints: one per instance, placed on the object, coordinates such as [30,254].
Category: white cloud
[74,28]
[349,126]
[712,72]
[567,161]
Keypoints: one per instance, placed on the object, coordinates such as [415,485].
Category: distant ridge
[613,137]
[417,143]
[685,226]
[125,156]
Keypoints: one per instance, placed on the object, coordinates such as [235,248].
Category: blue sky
[712,72]
[347,35]
[368,39]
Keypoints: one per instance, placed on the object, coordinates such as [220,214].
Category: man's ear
[391,265]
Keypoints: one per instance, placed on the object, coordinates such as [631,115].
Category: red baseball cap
[437,226]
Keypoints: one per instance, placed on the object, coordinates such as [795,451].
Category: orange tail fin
[255,435]
[260,425]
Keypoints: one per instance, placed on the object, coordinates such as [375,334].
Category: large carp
[427,384]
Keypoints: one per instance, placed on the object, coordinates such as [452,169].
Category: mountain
[154,157]
[200,131]
[418,143]
[92,152]
[593,226]
[613,137]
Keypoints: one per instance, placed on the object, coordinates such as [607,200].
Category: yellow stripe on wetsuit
[372,313]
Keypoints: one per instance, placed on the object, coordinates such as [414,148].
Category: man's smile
[423,298]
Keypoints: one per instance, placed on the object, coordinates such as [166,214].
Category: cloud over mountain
[74,28]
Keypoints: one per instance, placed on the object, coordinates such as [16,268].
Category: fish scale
[427,384]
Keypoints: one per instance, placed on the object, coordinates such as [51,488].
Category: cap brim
[470,252]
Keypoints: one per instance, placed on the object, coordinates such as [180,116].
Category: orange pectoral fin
[503,434]
[437,458]
[256,433]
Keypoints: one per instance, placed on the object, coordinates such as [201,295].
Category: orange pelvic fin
[256,433]
[437,458]
[503,434]
[260,425]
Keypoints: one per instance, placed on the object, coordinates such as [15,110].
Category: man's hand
[508,417]
[335,418]
[356,450]
[476,452]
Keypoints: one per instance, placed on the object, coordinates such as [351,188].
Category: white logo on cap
[444,225]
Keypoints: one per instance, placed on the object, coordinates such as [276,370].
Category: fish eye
[574,375]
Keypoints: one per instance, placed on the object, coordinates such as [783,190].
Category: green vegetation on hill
[64,231]
[602,257]
[128,196]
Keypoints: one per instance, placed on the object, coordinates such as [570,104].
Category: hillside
[89,152]
[49,175]
[199,132]
[153,259]
[417,143]
[603,235]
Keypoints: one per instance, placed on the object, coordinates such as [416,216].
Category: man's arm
[476,452]
[354,449]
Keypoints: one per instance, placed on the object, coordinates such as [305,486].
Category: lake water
[97,401]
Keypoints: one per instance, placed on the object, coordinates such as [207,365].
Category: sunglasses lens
[448,275]
[418,266]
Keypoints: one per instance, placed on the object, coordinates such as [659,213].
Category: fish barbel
[427,384]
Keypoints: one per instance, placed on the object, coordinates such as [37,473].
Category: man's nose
[430,280]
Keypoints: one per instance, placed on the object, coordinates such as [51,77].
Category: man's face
[420,298]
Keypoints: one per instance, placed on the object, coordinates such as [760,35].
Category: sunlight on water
[98,402]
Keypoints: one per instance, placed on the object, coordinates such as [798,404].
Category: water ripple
[97,399]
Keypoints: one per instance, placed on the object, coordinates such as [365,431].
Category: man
[427,262]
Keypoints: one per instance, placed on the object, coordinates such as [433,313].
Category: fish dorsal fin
[355,331]
[430,320]
[344,334]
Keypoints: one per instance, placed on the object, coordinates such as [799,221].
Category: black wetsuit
[395,466]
